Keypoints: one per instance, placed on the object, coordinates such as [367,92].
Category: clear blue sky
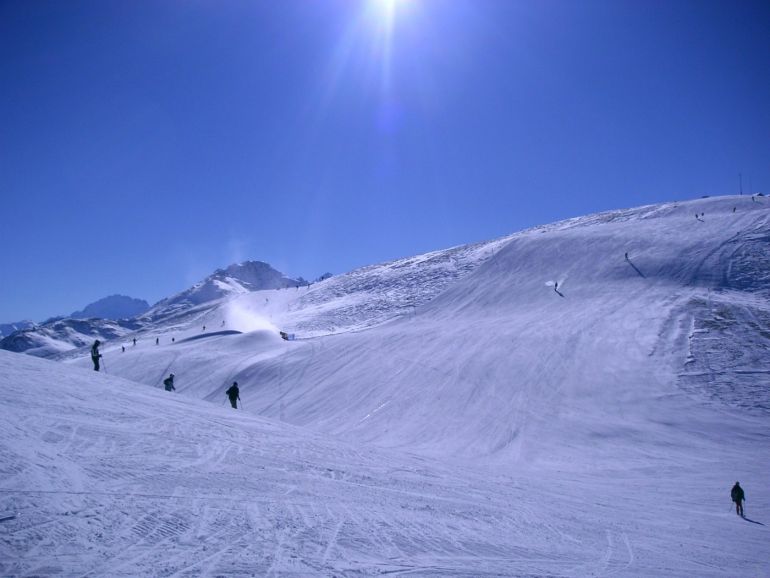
[145,143]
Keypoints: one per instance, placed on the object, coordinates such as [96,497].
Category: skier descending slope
[95,355]
[233,394]
[738,497]
[169,383]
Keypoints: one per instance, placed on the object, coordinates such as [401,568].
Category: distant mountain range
[118,315]
[113,307]
[8,328]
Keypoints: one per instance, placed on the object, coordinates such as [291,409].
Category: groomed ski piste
[454,414]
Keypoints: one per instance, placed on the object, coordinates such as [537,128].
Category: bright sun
[387,7]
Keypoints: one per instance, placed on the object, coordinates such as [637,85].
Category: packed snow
[572,400]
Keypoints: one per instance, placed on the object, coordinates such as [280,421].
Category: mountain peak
[113,307]
[243,277]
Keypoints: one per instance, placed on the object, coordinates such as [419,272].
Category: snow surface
[499,425]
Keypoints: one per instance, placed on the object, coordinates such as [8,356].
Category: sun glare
[384,14]
[367,45]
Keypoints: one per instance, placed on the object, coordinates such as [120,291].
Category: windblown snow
[572,400]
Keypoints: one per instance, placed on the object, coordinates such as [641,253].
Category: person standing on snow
[95,355]
[738,497]
[169,383]
[234,395]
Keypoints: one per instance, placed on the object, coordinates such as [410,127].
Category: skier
[233,394]
[156,340]
[204,328]
[122,348]
[626,255]
[134,341]
[169,383]
[738,497]
[173,339]
[556,286]
[95,355]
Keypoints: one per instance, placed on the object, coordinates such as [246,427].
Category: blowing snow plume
[240,318]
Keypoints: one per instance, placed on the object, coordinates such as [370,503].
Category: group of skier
[233,393]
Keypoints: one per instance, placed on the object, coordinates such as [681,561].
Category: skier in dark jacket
[95,355]
[169,383]
[233,394]
[738,496]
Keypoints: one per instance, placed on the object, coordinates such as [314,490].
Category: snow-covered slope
[596,384]
[107,477]
[493,363]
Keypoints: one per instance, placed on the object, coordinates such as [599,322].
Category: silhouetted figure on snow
[95,355]
[234,395]
[626,256]
[134,341]
[738,497]
[169,383]
[157,340]
[204,328]
[173,339]
[122,348]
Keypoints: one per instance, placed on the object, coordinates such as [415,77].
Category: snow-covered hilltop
[571,400]
[234,280]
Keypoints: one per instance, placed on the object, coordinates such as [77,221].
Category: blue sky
[144,144]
